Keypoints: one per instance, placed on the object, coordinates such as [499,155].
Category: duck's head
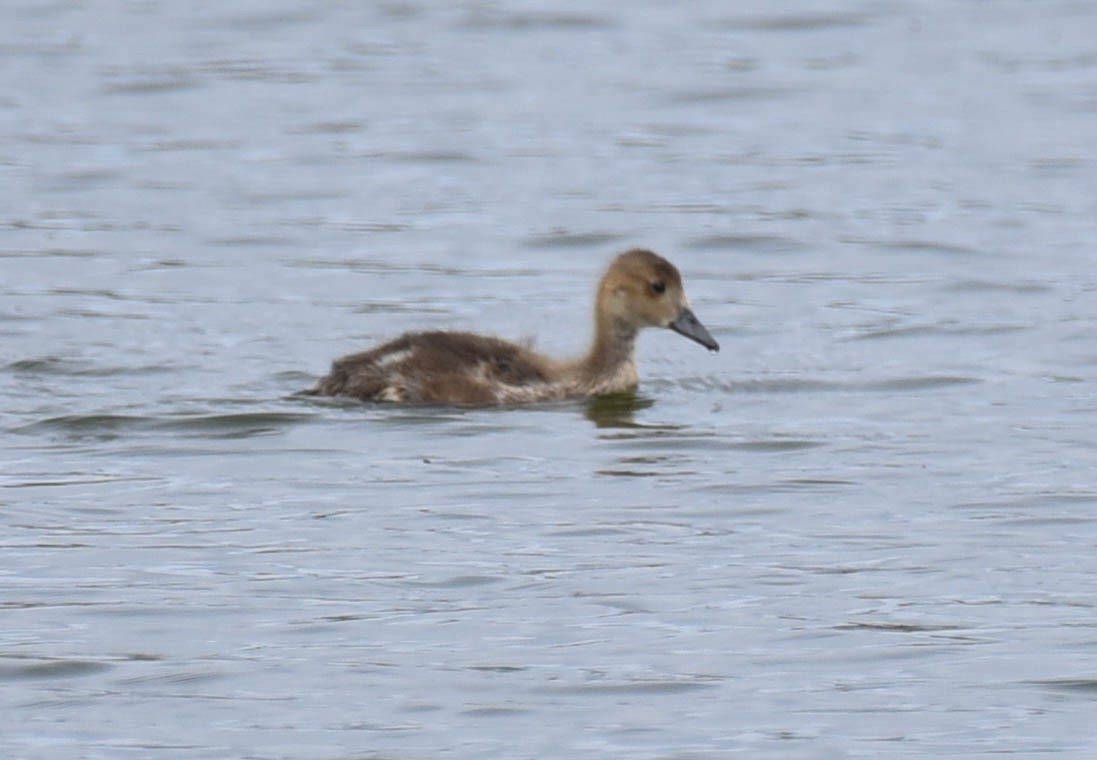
[642,289]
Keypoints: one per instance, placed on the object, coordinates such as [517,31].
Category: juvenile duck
[640,289]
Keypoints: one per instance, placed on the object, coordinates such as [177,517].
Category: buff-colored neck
[610,364]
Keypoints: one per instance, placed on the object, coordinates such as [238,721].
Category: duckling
[639,289]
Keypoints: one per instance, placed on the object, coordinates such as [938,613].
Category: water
[864,529]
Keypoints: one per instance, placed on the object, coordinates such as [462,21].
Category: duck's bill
[687,324]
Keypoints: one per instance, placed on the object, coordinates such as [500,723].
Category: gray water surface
[866,528]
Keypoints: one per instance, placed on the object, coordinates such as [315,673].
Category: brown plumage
[640,289]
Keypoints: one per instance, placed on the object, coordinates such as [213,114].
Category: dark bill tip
[687,324]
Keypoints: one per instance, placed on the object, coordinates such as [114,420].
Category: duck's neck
[610,364]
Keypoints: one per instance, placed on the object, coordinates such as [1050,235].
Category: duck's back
[441,367]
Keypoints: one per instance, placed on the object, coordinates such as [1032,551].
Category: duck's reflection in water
[617,410]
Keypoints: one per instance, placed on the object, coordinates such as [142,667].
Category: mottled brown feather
[456,367]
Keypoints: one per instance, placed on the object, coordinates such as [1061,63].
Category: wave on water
[58,365]
[566,239]
[101,425]
[811,385]
[757,243]
[35,669]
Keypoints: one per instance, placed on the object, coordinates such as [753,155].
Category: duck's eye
[658,287]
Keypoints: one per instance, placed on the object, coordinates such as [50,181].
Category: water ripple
[107,425]
[494,20]
[49,669]
[564,239]
[799,22]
